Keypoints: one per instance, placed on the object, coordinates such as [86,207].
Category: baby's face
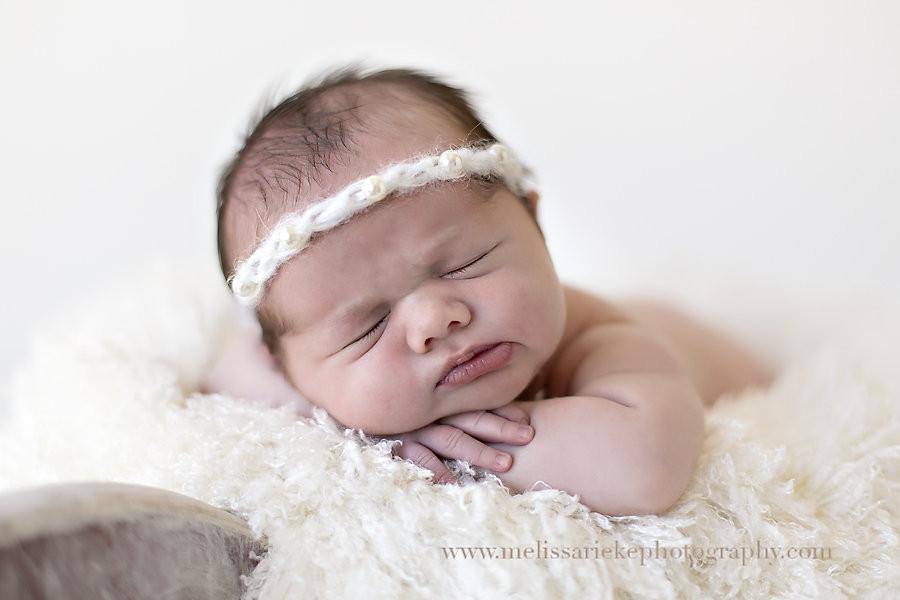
[379,368]
[375,308]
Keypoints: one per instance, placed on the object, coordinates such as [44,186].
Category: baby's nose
[435,319]
[426,345]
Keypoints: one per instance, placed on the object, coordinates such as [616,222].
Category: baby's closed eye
[464,269]
[370,331]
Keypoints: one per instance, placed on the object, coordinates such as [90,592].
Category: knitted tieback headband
[292,233]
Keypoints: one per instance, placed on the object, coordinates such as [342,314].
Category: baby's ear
[533,198]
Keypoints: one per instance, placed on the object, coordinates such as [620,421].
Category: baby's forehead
[398,238]
[435,211]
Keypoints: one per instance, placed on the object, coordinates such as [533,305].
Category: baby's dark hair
[304,136]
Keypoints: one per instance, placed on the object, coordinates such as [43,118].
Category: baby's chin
[474,396]
[494,397]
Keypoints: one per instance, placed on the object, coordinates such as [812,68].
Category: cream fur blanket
[106,393]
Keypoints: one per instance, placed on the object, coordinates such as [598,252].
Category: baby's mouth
[477,362]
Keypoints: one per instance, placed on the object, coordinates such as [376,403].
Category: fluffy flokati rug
[107,393]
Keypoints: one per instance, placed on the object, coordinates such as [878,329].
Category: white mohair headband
[291,234]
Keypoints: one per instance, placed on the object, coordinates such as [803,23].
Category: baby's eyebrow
[355,312]
[298,325]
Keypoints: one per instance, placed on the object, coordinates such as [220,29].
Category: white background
[751,142]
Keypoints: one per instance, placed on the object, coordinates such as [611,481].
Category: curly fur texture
[107,393]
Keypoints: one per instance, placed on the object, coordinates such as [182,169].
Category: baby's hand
[455,437]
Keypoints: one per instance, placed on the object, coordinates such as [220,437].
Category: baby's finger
[426,459]
[513,412]
[489,427]
[455,443]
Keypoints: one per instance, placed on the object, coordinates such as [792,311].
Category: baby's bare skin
[639,335]
[717,364]
[639,370]
[370,318]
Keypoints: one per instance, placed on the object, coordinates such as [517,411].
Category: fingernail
[524,431]
[503,461]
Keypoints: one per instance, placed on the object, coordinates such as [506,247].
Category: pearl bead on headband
[293,231]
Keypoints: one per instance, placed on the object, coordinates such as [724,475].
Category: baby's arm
[245,369]
[627,437]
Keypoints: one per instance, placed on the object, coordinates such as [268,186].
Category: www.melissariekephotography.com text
[694,554]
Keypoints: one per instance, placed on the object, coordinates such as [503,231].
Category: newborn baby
[434,314]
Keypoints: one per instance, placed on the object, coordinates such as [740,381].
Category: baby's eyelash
[371,331]
[466,267]
[461,270]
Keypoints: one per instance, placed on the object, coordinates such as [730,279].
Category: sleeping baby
[388,246]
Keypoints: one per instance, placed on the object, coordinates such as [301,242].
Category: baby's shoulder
[584,311]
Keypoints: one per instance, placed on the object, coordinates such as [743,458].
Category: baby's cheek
[375,392]
[382,396]
[535,309]
[321,384]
